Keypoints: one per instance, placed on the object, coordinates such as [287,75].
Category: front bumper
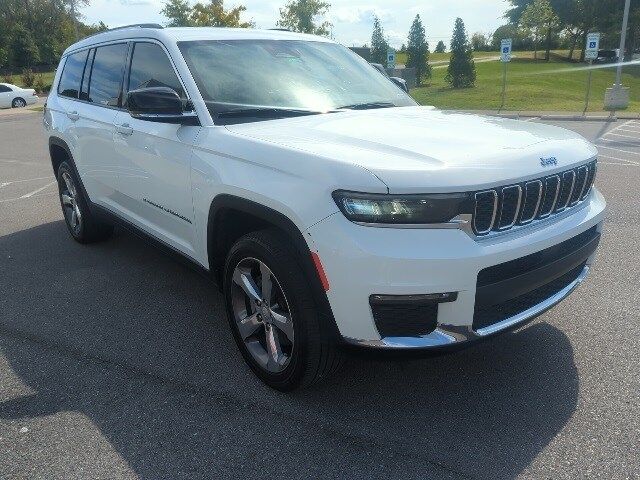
[362,261]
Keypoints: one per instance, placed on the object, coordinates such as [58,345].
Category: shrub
[39,84]
[7,78]
[28,77]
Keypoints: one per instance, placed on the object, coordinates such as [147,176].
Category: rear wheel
[82,224]
[273,316]
[18,103]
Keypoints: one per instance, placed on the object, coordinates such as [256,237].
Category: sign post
[391,59]
[590,54]
[505,58]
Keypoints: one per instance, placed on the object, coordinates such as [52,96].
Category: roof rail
[135,25]
[280,29]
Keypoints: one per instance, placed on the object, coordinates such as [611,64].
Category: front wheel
[273,315]
[18,103]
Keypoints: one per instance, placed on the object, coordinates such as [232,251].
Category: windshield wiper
[267,112]
[367,106]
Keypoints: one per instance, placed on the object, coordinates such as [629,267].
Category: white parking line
[622,135]
[31,194]
[48,194]
[619,126]
[631,162]
[618,164]
[4,184]
[617,149]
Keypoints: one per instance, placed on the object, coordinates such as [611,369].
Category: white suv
[332,210]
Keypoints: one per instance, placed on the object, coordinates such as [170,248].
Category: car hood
[421,149]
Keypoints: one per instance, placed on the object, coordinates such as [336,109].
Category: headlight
[402,209]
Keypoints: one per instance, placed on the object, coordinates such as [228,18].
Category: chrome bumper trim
[449,335]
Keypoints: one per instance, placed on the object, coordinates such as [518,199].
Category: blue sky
[352,20]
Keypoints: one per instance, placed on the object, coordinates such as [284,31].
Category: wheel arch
[59,152]
[231,216]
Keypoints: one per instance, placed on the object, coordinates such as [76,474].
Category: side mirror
[400,82]
[159,104]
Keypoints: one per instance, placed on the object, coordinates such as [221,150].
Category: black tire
[18,103]
[87,229]
[313,356]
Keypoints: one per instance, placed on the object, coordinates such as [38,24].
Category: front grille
[485,316]
[502,208]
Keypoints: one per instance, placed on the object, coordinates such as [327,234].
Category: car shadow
[139,344]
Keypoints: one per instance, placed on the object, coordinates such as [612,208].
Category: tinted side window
[4,89]
[150,67]
[72,75]
[106,74]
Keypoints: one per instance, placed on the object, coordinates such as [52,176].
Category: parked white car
[12,96]
[331,209]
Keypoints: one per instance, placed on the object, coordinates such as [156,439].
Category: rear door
[100,100]
[154,158]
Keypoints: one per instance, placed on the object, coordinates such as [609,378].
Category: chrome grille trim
[560,208]
[516,211]
[547,193]
[591,175]
[493,216]
[578,197]
[555,194]
[524,221]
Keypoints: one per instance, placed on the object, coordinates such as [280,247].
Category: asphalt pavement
[116,362]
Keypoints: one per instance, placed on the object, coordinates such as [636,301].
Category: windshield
[241,77]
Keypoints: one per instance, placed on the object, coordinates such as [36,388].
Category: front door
[154,159]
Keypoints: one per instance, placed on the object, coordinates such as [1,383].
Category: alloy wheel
[262,315]
[19,103]
[69,198]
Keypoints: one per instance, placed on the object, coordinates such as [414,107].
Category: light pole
[623,40]
[618,96]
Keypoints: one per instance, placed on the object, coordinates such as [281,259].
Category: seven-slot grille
[501,208]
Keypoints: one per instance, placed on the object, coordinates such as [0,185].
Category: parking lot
[116,362]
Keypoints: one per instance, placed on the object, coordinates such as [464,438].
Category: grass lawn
[548,86]
[46,76]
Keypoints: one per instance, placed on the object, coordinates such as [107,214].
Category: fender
[216,246]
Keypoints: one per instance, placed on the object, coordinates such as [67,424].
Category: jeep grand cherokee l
[331,209]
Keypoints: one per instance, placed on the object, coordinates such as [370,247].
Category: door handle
[73,116]
[124,129]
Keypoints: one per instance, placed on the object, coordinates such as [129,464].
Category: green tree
[539,21]
[4,57]
[379,44]
[480,42]
[305,16]
[177,12]
[440,47]
[49,25]
[213,14]
[23,49]
[418,50]
[462,69]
